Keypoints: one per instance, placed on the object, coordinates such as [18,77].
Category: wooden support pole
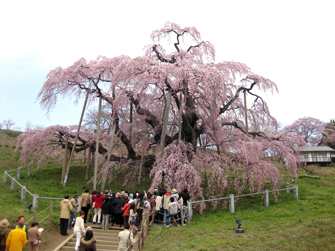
[166,118]
[130,122]
[110,148]
[97,148]
[65,160]
[88,163]
[181,116]
[75,141]
[246,113]
[39,165]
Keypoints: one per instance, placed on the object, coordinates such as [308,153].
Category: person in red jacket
[97,207]
[126,209]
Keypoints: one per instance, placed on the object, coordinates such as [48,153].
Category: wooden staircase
[106,239]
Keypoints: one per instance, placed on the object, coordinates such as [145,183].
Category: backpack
[173,208]
[73,222]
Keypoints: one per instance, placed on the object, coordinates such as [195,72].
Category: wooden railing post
[39,165]
[35,201]
[139,242]
[266,199]
[18,173]
[182,215]
[29,168]
[50,213]
[5,177]
[231,203]
[142,235]
[296,193]
[13,184]
[23,193]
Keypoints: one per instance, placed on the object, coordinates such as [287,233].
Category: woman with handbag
[34,237]
[132,216]
[79,228]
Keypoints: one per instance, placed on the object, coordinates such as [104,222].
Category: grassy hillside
[45,182]
[306,224]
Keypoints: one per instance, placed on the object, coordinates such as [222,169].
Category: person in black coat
[118,205]
[106,210]
[186,198]
[111,201]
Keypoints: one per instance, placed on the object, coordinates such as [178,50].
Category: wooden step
[66,248]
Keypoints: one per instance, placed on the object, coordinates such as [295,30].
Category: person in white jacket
[126,239]
[79,228]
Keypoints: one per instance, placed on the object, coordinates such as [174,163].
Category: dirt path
[51,239]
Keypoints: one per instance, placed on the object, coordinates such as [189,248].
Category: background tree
[106,122]
[328,135]
[8,124]
[309,128]
[215,155]
[31,126]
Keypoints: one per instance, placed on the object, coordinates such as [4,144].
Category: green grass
[45,182]
[288,224]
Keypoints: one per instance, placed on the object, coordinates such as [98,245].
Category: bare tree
[8,124]
[106,122]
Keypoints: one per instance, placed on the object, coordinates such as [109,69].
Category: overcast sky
[289,42]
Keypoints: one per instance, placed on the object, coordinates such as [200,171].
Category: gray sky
[289,42]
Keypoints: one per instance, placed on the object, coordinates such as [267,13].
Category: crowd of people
[17,237]
[123,209]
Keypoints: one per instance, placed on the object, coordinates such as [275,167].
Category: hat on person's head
[4,223]
[125,195]
[174,190]
[88,228]
[145,198]
[155,190]
[131,196]
[122,192]
[106,191]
